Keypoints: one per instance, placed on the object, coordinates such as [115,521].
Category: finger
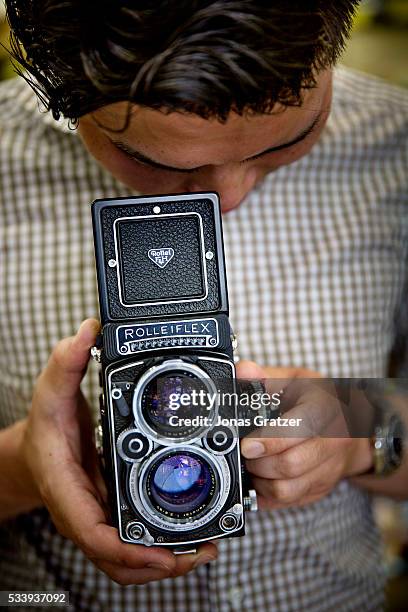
[268,504]
[72,502]
[68,361]
[249,370]
[290,428]
[92,467]
[282,491]
[253,447]
[268,442]
[320,406]
[293,491]
[287,381]
[184,564]
[274,379]
[96,477]
[290,373]
[125,576]
[89,457]
[317,412]
[298,460]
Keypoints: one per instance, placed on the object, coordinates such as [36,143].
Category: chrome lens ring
[141,491]
[188,434]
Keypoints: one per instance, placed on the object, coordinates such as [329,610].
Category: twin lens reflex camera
[172,466]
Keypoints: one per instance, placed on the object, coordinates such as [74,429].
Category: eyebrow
[138,156]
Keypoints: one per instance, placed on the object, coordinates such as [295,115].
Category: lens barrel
[181,484]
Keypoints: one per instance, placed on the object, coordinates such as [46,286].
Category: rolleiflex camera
[166,339]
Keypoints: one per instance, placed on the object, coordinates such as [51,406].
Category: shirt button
[235,597]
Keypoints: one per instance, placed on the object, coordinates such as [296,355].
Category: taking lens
[181,484]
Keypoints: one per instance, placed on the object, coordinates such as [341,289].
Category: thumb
[67,364]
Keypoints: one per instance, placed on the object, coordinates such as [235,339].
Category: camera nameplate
[133,338]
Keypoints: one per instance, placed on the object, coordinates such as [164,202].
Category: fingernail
[203,559]
[251,450]
[159,566]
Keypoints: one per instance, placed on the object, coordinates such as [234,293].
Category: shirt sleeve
[398,366]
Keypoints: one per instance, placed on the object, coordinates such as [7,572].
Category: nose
[231,181]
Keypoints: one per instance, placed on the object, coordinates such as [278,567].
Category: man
[236,97]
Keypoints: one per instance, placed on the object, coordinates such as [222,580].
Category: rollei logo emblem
[161,257]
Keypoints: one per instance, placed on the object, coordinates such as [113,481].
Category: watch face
[389,445]
[395,447]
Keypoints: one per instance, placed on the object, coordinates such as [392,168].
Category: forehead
[149,122]
[161,130]
[177,138]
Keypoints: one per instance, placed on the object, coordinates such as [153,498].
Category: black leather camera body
[172,466]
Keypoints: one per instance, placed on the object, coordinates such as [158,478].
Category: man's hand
[298,470]
[60,456]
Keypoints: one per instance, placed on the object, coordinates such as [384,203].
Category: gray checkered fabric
[316,259]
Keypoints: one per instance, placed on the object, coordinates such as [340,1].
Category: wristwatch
[388,445]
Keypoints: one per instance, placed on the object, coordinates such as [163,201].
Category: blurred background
[379,45]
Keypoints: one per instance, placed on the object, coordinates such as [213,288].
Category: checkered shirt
[316,260]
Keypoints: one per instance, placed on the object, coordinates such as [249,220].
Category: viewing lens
[181,484]
[174,394]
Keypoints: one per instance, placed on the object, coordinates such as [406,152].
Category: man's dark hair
[200,56]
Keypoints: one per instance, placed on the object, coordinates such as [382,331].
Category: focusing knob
[96,354]
[99,439]
[250,501]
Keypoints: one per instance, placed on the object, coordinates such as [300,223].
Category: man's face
[178,152]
